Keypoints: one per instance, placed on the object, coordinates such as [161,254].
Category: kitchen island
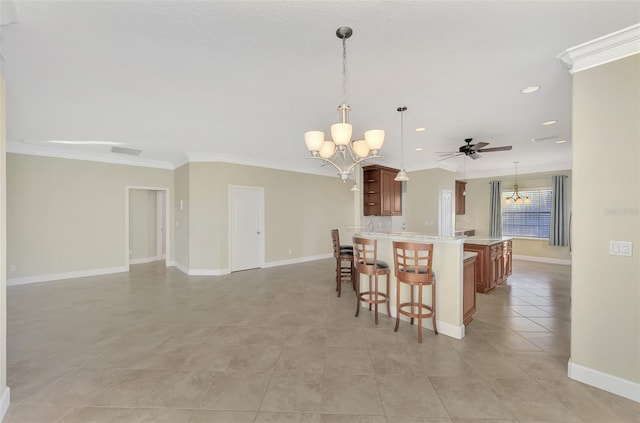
[448,257]
[494,261]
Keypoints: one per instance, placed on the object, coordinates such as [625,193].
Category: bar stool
[342,254]
[367,263]
[413,266]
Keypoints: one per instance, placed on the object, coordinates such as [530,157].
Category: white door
[161,239]
[246,237]
[446,213]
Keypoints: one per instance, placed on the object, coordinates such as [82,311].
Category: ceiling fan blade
[450,156]
[475,156]
[479,145]
[487,150]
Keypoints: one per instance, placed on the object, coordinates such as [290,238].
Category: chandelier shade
[314,140]
[361,148]
[341,152]
[327,149]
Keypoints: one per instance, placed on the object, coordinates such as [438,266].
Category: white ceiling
[242,81]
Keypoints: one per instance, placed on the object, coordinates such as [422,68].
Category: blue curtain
[495,223]
[559,226]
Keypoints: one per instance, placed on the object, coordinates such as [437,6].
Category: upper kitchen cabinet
[382,196]
[460,188]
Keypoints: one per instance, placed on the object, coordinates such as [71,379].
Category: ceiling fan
[472,150]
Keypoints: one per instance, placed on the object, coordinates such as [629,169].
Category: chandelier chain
[345,76]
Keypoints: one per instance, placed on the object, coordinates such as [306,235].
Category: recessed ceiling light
[421,129]
[419,149]
[87,142]
[549,122]
[561,141]
[530,89]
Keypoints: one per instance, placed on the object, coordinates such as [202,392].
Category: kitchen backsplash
[465,221]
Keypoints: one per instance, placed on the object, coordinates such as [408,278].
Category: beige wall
[181,224]
[605,321]
[477,211]
[142,224]
[300,211]
[422,200]
[3,243]
[69,215]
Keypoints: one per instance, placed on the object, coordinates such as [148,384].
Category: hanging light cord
[402,139]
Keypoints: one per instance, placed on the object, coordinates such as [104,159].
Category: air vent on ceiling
[123,150]
[544,139]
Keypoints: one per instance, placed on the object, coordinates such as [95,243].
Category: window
[527,220]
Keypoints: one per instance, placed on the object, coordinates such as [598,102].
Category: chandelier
[515,197]
[341,152]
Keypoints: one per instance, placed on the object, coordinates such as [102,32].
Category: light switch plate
[621,248]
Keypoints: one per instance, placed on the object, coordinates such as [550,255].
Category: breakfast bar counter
[448,256]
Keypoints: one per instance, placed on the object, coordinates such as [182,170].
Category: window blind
[527,220]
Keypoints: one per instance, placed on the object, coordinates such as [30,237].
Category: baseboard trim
[297,260]
[604,381]
[543,259]
[5,402]
[145,260]
[66,275]
[208,272]
[197,272]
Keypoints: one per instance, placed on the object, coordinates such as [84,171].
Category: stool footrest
[415,315]
[382,297]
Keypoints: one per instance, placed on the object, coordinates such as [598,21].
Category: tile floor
[276,345]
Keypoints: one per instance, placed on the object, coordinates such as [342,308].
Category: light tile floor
[277,345]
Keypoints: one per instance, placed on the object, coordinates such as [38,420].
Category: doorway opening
[147,225]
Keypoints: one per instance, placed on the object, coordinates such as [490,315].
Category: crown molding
[36,150]
[614,46]
[181,160]
[239,160]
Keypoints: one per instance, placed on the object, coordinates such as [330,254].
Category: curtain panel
[495,211]
[559,224]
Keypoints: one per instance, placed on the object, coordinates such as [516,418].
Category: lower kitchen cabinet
[493,264]
[468,289]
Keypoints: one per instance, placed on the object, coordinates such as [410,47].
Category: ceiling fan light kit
[341,152]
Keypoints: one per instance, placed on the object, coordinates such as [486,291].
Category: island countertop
[412,236]
[484,240]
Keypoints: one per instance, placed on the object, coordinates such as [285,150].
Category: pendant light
[515,197]
[402,175]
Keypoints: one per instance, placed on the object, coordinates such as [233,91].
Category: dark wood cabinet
[493,264]
[460,197]
[469,289]
[382,195]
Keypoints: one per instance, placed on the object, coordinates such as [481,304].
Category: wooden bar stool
[342,254]
[413,266]
[367,263]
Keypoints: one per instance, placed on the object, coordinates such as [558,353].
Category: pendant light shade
[402,175]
